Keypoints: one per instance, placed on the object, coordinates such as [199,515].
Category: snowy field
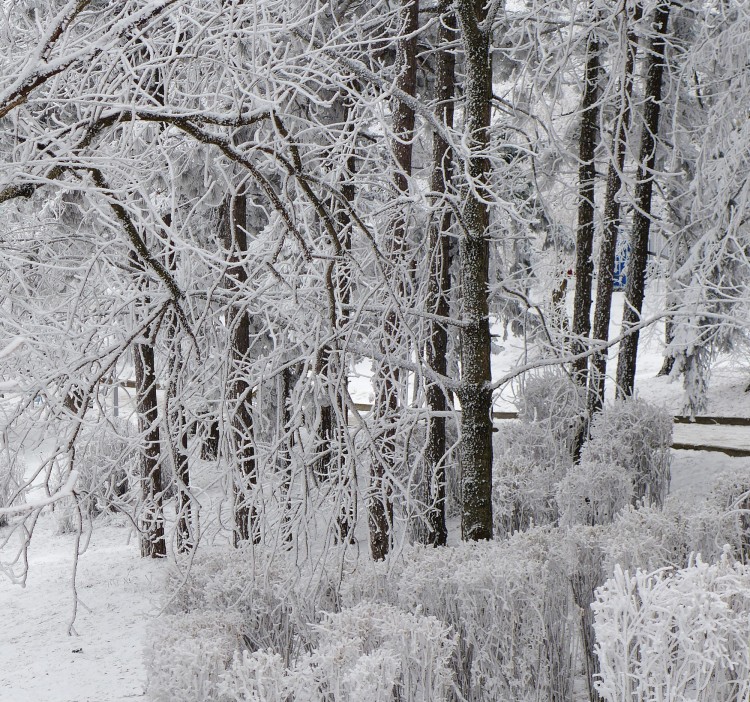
[101,660]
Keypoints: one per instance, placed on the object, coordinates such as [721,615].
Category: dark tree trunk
[177,428]
[153,543]
[380,511]
[475,390]
[439,283]
[635,287]
[234,226]
[588,142]
[612,223]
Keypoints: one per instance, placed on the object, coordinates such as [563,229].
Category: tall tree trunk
[380,510]
[635,286]
[475,390]
[153,543]
[588,141]
[612,220]
[440,282]
[245,476]
[177,428]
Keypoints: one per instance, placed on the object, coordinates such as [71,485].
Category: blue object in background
[619,275]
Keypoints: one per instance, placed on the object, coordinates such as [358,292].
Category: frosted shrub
[260,676]
[593,493]
[551,400]
[187,654]
[535,453]
[510,606]
[276,603]
[732,497]
[650,538]
[523,491]
[377,653]
[369,653]
[636,436]
[107,464]
[679,635]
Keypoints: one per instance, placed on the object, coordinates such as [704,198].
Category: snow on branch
[65,491]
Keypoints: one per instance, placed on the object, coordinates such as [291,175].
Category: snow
[119,591]
[103,662]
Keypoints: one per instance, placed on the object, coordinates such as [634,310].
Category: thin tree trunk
[177,428]
[380,509]
[635,287]
[589,139]
[234,225]
[612,221]
[153,543]
[439,283]
[475,390]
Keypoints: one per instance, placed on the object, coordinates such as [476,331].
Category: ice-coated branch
[65,491]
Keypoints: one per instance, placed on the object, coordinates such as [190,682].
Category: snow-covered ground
[102,661]
[118,592]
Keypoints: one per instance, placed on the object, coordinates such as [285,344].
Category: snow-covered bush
[377,653]
[523,488]
[552,400]
[636,436]
[510,605]
[651,538]
[107,465]
[732,496]
[187,654]
[370,653]
[535,453]
[593,493]
[276,604]
[11,479]
[679,635]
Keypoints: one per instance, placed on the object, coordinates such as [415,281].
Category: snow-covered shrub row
[240,626]
[275,604]
[651,538]
[510,604]
[625,461]
[187,654]
[675,635]
[637,437]
[369,653]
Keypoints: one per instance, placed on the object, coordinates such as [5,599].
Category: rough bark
[475,386]
[439,283]
[177,429]
[240,392]
[153,543]
[380,507]
[635,287]
[588,141]
[612,222]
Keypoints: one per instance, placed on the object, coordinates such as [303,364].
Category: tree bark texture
[153,543]
[635,286]
[240,395]
[587,144]
[612,220]
[440,283]
[388,379]
[475,388]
